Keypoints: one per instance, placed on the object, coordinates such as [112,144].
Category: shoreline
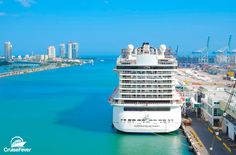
[33,70]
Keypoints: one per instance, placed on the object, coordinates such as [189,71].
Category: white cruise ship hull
[147,121]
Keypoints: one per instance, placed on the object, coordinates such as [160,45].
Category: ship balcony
[145,103]
[146,89]
[140,74]
[147,96]
[161,87]
[146,78]
[148,100]
[146,83]
[147,68]
[145,73]
[146,92]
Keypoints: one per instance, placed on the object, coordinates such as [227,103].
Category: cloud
[26,3]
[106,2]
[2,14]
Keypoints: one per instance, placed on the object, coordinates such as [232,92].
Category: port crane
[203,53]
[226,49]
[176,51]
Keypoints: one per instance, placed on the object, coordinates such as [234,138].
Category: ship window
[139,119]
[146,109]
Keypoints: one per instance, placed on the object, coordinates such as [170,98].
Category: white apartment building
[51,52]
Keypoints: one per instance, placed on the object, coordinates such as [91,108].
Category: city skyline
[61,51]
[107,26]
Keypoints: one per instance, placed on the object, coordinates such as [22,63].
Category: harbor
[197,137]
[106,77]
[64,121]
[205,96]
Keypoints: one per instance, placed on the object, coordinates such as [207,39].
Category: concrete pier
[194,140]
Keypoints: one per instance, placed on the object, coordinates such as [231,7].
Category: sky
[106,26]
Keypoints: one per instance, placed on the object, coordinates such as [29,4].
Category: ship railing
[167,62]
[146,86]
[146,78]
[113,94]
[143,73]
[146,82]
[139,102]
[147,96]
[146,92]
[125,61]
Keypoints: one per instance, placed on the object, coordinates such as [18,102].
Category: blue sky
[106,26]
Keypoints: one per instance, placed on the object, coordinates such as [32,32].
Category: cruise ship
[145,100]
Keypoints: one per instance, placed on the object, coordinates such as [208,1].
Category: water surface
[65,111]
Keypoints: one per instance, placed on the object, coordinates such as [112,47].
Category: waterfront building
[19,57]
[232,59]
[45,57]
[40,58]
[225,59]
[51,52]
[229,121]
[75,50]
[209,99]
[8,50]
[37,58]
[145,99]
[26,57]
[69,50]
[222,59]
[62,50]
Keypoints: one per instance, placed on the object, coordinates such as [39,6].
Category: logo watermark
[17,145]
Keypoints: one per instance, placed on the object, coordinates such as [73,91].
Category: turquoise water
[65,111]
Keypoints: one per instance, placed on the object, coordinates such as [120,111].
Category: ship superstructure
[145,99]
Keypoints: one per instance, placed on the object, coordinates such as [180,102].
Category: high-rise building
[75,50]
[51,52]
[69,50]
[8,50]
[62,50]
